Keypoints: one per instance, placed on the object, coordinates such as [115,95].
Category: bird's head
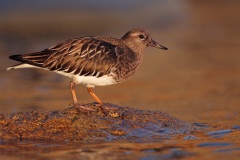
[138,40]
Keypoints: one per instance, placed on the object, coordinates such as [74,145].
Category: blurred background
[197,79]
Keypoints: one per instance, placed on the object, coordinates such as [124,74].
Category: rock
[109,123]
[219,133]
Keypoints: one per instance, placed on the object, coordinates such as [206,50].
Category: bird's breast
[127,66]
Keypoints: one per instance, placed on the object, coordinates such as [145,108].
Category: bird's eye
[141,36]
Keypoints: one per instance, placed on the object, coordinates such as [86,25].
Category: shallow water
[197,80]
[200,146]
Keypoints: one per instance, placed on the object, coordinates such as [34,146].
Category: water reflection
[167,148]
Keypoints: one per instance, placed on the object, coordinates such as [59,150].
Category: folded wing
[79,56]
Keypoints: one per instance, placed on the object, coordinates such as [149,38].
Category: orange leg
[90,90]
[72,88]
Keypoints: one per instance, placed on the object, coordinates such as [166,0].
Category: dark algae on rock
[96,124]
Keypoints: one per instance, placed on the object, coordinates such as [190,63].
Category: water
[197,80]
[169,148]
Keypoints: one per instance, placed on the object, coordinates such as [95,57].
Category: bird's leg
[105,109]
[72,88]
[90,91]
[75,102]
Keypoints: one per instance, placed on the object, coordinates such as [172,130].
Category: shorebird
[92,61]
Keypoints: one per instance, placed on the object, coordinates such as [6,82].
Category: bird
[92,60]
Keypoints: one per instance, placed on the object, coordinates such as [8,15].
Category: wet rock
[204,125]
[214,144]
[89,123]
[219,133]
[227,150]
[236,127]
[190,137]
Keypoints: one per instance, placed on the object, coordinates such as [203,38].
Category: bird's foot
[96,104]
[103,107]
[98,107]
[83,108]
[113,112]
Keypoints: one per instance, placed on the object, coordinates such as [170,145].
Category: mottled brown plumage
[92,61]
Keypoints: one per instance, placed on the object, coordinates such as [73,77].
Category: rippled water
[200,146]
[197,80]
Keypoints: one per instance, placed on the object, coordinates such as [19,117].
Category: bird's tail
[21,65]
[16,57]
[31,60]
[10,68]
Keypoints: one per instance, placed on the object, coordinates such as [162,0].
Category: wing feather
[80,56]
[85,57]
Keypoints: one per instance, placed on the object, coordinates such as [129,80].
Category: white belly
[89,81]
[92,81]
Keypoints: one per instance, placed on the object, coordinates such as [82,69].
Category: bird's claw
[80,107]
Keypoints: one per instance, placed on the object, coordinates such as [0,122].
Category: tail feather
[22,65]
[17,57]
[31,60]
[10,68]
[36,59]
[13,67]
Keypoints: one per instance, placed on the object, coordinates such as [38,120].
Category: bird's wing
[80,56]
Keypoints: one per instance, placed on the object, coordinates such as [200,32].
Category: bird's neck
[138,49]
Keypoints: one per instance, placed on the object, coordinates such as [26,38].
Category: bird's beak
[153,43]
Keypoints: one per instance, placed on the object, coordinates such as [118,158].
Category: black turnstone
[92,61]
